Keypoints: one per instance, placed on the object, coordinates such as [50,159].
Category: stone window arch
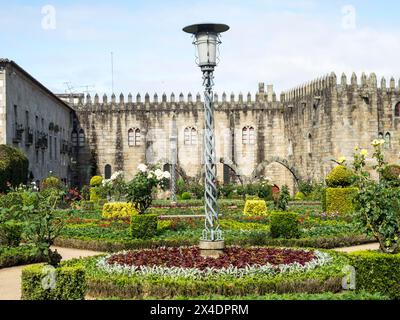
[74,138]
[249,135]
[134,137]
[309,143]
[107,171]
[190,136]
[81,138]
[388,140]
[397,110]
[380,135]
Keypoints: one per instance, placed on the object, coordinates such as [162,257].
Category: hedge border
[22,258]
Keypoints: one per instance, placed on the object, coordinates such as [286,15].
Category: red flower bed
[190,257]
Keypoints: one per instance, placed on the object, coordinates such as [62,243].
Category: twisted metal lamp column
[212,231]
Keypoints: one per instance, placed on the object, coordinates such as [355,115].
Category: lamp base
[211,249]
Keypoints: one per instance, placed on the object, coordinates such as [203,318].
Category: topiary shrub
[300,196]
[14,166]
[340,200]
[391,173]
[11,233]
[94,194]
[255,208]
[118,210]
[285,225]
[63,283]
[377,272]
[52,182]
[144,226]
[96,181]
[186,196]
[340,176]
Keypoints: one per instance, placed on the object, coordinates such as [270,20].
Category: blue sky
[280,42]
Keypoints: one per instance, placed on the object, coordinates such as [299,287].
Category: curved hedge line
[14,167]
[114,246]
[101,284]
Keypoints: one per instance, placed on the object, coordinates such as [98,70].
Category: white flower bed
[321,259]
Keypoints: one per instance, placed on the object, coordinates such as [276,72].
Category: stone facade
[34,120]
[293,139]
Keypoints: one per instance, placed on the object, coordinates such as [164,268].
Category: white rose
[142,167]
[166,175]
[158,173]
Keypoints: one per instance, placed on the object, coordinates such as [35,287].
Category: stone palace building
[288,139]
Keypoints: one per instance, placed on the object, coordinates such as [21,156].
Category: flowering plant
[140,188]
[115,187]
[377,202]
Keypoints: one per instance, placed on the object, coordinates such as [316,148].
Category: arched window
[134,137]
[248,135]
[107,171]
[397,110]
[387,140]
[82,138]
[309,144]
[380,135]
[74,138]
[190,136]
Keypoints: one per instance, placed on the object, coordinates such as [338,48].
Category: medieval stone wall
[294,138]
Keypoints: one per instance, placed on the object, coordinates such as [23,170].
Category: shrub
[377,272]
[285,225]
[300,196]
[96,181]
[70,283]
[340,176]
[14,256]
[52,182]
[85,192]
[95,194]
[283,199]
[186,196]
[255,208]
[340,200]
[118,210]
[391,174]
[11,199]
[226,190]
[13,167]
[11,233]
[144,226]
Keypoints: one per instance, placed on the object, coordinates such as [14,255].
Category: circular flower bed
[235,261]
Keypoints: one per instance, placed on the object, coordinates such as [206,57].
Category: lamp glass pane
[207,48]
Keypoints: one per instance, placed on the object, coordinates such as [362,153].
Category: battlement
[318,86]
[264,99]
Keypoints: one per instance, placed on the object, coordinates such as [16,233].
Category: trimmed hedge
[326,278]
[255,208]
[15,256]
[118,210]
[377,272]
[14,167]
[96,181]
[285,225]
[144,226]
[340,200]
[70,283]
[340,176]
[11,233]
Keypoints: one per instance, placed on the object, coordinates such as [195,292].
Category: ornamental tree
[378,201]
[140,188]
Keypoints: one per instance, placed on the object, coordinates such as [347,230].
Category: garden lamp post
[207,39]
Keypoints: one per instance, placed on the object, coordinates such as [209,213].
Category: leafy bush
[196,189]
[118,210]
[255,208]
[69,284]
[226,190]
[186,196]
[85,192]
[144,226]
[14,256]
[285,225]
[283,199]
[340,200]
[95,194]
[391,173]
[11,233]
[96,181]
[52,182]
[340,176]
[300,196]
[14,167]
[377,272]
